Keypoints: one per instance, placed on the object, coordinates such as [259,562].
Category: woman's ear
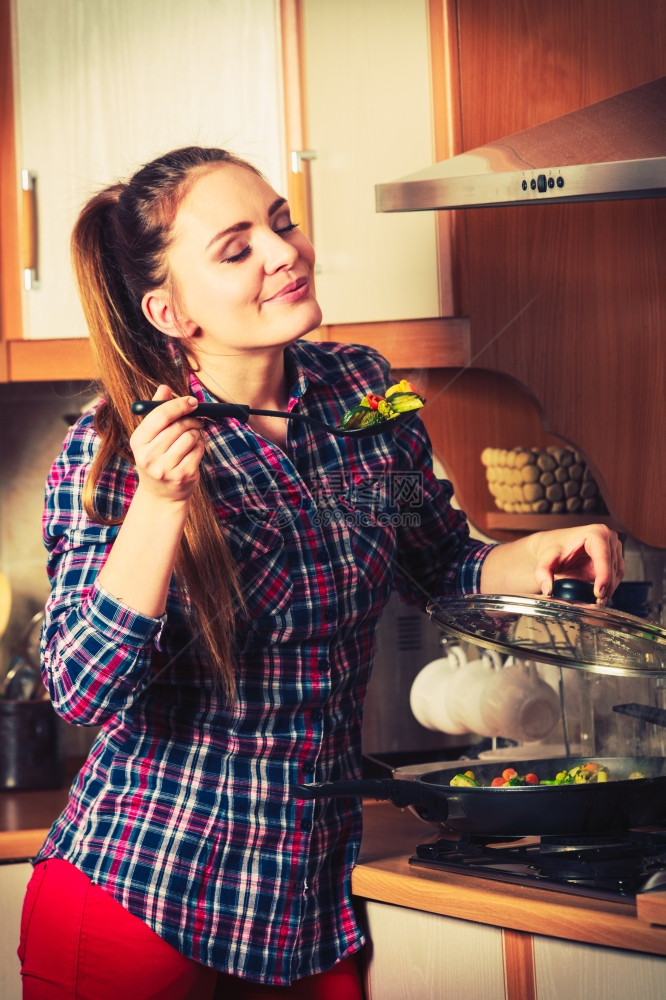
[159,311]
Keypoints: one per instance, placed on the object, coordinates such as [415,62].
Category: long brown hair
[119,247]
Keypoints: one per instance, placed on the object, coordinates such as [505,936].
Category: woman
[215,592]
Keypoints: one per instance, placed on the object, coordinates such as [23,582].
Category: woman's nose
[278,252]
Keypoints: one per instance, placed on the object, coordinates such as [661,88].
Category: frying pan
[522,810]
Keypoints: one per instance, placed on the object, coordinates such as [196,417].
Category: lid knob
[576,591]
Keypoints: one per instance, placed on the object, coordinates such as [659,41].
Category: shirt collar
[305,364]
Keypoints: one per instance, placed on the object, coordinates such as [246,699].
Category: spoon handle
[214,410]
[239,411]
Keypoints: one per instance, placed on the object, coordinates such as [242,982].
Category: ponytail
[119,248]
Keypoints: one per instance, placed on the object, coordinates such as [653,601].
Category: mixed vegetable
[374,409]
[580,774]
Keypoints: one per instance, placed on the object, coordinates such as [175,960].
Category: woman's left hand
[592,552]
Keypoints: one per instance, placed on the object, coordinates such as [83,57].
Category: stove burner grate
[607,866]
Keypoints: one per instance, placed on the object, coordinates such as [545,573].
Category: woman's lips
[292,292]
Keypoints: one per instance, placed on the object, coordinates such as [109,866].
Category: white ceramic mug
[428,698]
[465,689]
[446,695]
[518,704]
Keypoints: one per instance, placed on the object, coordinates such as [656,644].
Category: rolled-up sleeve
[436,554]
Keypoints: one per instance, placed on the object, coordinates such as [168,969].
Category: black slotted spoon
[241,412]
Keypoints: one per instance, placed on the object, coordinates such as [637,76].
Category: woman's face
[243,271]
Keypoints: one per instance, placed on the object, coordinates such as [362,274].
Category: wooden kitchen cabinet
[417,955]
[367,117]
[101,88]
[98,89]
[566,970]
[567,303]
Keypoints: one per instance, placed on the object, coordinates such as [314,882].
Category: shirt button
[317,715]
[306,825]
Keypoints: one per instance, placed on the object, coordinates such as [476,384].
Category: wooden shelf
[545,522]
[408,344]
[440,342]
[49,360]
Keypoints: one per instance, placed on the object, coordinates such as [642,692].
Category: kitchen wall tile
[33,425]
[32,429]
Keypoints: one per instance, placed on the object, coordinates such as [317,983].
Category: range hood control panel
[542,184]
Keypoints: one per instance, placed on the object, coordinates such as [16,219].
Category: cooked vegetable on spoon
[375,409]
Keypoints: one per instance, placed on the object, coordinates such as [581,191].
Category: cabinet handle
[299,188]
[29,233]
[297,156]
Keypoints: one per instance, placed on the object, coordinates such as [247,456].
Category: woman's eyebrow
[278,203]
[239,227]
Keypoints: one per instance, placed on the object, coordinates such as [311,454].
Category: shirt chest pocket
[259,551]
[364,516]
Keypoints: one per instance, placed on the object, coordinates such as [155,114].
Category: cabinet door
[103,87]
[417,955]
[368,120]
[569,971]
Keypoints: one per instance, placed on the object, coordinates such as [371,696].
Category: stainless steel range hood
[615,149]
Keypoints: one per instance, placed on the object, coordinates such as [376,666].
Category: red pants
[78,943]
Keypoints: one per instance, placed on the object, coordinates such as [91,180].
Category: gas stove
[609,866]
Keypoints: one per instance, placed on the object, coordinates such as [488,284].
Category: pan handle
[648,713]
[401,793]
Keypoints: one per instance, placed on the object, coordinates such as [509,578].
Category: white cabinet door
[423,956]
[368,113]
[13,881]
[104,86]
[569,971]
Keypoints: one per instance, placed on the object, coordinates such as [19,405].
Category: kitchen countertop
[383,873]
[25,818]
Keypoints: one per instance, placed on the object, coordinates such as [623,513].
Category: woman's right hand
[168,447]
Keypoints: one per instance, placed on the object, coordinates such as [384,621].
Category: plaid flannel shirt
[183,809]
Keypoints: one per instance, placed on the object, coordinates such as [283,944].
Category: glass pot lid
[587,636]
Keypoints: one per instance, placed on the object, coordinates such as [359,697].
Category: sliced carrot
[496,782]
[509,773]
